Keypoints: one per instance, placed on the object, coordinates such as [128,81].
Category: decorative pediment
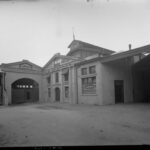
[25,66]
[57,61]
[74,45]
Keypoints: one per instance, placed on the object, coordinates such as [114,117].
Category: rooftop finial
[73,34]
[130,46]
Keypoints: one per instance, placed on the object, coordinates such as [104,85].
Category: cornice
[14,70]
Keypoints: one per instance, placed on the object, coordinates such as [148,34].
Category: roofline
[96,47]
[87,61]
[126,54]
[18,62]
[106,51]
[63,56]
[139,62]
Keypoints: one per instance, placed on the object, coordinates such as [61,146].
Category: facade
[88,74]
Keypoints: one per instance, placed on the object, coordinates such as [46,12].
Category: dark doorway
[25,90]
[142,86]
[57,94]
[119,91]
[28,95]
[141,80]
[1,90]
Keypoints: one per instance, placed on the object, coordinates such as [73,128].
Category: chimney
[130,46]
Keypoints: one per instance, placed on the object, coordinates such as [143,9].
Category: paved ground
[64,124]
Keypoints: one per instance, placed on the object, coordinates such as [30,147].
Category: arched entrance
[57,94]
[25,90]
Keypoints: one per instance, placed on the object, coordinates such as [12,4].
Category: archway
[25,90]
[57,94]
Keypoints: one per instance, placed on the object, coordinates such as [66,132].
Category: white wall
[114,72]
[91,98]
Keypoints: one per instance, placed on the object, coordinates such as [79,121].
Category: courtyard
[69,125]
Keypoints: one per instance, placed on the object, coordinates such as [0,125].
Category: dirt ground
[69,125]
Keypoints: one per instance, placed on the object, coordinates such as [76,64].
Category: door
[119,91]
[57,94]
[1,90]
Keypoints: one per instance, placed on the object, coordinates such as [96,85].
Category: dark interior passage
[25,90]
[141,80]
[119,91]
[1,89]
[142,86]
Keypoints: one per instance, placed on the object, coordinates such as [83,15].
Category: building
[88,74]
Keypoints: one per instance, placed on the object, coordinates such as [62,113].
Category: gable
[58,60]
[25,66]
[82,53]
[74,45]
[86,48]
[22,65]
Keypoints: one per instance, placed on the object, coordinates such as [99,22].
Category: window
[92,69]
[89,85]
[66,77]
[66,92]
[57,77]
[49,92]
[84,71]
[65,73]
[57,61]
[49,79]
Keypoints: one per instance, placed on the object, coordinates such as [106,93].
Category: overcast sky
[37,29]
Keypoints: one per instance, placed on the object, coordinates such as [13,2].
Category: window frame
[88,87]
[49,79]
[66,76]
[66,96]
[82,71]
[57,77]
[49,92]
[90,69]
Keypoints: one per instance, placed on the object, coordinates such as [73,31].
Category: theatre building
[88,74]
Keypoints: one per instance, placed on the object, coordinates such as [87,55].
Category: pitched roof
[143,64]
[87,46]
[125,54]
[58,55]
[19,62]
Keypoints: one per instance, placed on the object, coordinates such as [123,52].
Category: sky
[37,29]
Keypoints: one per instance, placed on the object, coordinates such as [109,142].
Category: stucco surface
[65,124]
